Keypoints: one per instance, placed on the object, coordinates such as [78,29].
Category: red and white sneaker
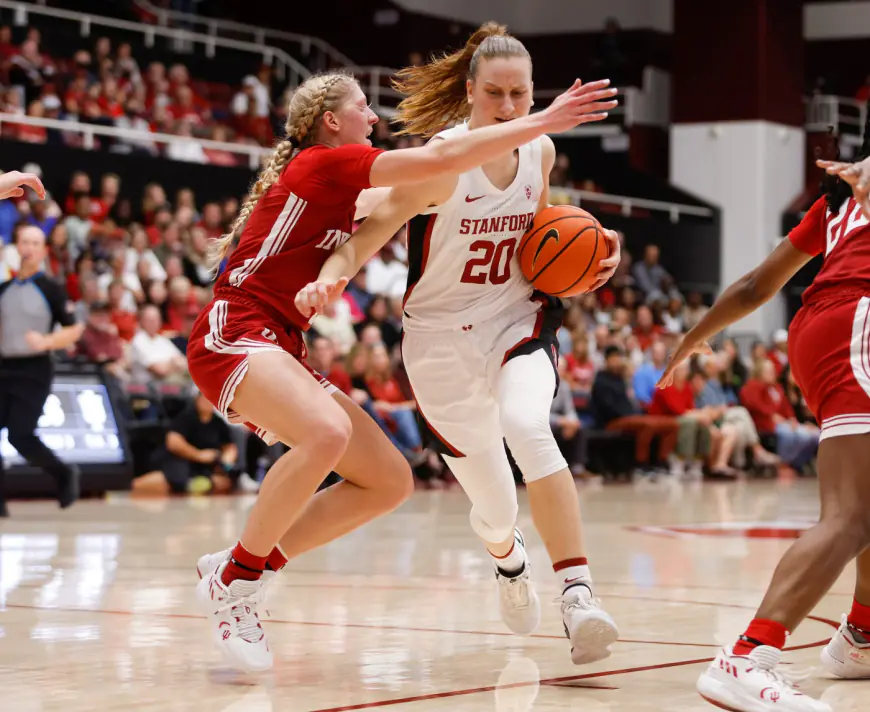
[209,562]
[232,612]
[751,683]
[845,657]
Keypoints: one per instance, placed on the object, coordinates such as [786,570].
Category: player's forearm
[178,446]
[469,150]
[376,232]
[342,263]
[738,301]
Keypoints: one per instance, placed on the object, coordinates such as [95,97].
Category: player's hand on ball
[855,174]
[687,347]
[607,267]
[12,184]
[315,295]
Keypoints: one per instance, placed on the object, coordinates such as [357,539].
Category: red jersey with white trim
[844,239]
[305,216]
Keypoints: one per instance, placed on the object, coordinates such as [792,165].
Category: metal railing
[215,27]
[254,156]
[626,203]
[287,67]
[846,116]
[134,139]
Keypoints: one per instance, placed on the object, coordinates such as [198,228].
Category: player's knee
[398,484]
[330,435]
[535,450]
[857,529]
[496,524]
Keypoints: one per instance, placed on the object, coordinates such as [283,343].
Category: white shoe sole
[596,633]
[718,695]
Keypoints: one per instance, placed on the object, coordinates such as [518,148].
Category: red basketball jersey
[296,226]
[844,240]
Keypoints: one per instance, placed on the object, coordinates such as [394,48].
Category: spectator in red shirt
[646,330]
[580,372]
[390,402]
[123,314]
[212,220]
[766,402]
[321,357]
[695,436]
[7,48]
[100,342]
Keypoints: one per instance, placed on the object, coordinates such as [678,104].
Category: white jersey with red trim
[462,259]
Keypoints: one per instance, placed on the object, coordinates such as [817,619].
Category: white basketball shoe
[518,601]
[232,613]
[588,626]
[845,657]
[751,683]
[209,562]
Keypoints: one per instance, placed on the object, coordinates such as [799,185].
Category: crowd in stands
[135,270]
[105,85]
[137,276]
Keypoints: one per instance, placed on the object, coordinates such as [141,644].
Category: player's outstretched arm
[740,299]
[582,103]
[393,211]
[855,174]
[12,184]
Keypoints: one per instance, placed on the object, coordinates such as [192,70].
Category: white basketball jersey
[462,265]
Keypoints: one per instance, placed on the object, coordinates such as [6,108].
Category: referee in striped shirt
[31,305]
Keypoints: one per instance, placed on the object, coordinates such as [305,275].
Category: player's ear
[469,90]
[330,121]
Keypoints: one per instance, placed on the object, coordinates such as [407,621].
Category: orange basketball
[560,252]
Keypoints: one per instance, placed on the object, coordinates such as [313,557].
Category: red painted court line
[365,626]
[491,688]
[556,681]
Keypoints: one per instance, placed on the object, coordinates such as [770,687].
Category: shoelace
[242,609]
[578,600]
[517,592]
[767,662]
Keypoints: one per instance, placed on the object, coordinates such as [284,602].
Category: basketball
[560,252]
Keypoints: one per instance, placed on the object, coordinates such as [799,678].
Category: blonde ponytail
[435,93]
[316,95]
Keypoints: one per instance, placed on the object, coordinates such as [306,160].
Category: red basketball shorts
[224,334]
[829,353]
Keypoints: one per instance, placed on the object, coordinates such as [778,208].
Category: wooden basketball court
[97,607]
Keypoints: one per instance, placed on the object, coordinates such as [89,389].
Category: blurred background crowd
[132,259]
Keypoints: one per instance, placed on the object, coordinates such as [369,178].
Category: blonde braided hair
[314,97]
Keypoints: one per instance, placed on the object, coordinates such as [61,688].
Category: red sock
[276,560]
[860,616]
[761,632]
[243,565]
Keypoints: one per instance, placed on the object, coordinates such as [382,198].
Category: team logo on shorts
[528,192]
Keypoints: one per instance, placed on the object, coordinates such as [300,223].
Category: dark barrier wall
[59,163]
[690,249]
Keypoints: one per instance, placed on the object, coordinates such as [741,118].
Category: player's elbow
[443,157]
[754,291]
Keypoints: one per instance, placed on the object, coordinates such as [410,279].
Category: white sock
[514,561]
[572,575]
